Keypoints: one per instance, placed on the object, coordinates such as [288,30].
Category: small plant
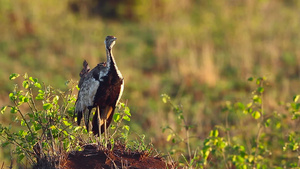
[42,120]
[120,130]
[43,124]
[182,123]
[230,146]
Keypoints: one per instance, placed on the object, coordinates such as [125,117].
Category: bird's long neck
[111,63]
[110,59]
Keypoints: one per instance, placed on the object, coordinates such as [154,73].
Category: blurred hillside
[198,52]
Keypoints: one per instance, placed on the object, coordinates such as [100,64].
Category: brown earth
[96,157]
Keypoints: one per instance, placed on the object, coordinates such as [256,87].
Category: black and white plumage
[100,88]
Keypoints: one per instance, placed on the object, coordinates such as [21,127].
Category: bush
[271,144]
[43,127]
[43,130]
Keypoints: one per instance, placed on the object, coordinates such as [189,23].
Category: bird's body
[100,88]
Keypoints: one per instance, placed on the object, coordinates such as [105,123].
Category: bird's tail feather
[95,125]
[79,112]
[87,118]
[79,116]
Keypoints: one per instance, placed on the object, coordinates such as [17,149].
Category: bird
[100,88]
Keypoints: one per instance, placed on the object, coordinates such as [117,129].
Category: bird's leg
[99,124]
[103,122]
[105,134]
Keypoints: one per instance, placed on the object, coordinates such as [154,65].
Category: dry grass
[200,53]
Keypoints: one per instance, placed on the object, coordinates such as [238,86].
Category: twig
[115,165]
[27,125]
[13,141]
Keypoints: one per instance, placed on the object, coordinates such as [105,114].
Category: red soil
[96,157]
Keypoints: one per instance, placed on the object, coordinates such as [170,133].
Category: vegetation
[232,145]
[48,130]
[200,53]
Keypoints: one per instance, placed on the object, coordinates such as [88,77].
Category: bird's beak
[115,38]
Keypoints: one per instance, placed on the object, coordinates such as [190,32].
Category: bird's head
[109,42]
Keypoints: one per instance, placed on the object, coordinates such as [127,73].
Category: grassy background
[201,53]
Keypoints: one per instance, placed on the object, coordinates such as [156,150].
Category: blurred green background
[199,52]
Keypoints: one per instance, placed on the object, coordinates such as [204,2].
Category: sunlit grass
[200,53]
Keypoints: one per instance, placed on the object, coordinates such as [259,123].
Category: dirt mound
[94,156]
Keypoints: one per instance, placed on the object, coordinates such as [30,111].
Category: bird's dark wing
[88,84]
[84,72]
[85,98]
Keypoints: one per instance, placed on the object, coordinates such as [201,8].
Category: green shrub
[42,125]
[230,146]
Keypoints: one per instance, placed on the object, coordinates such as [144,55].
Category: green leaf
[65,133]
[295,98]
[22,133]
[240,105]
[72,137]
[122,105]
[55,99]
[77,87]
[3,109]
[251,158]
[13,110]
[20,157]
[165,98]
[5,144]
[126,118]
[267,123]
[250,79]
[47,106]
[112,127]
[260,89]
[259,80]
[116,117]
[206,154]
[250,110]
[38,85]
[23,123]
[214,133]
[40,96]
[127,111]
[13,76]
[23,98]
[30,115]
[25,76]
[25,84]
[37,126]
[296,115]
[126,127]
[256,99]
[33,79]
[66,123]
[295,146]
[12,96]
[256,115]
[77,128]
[169,137]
